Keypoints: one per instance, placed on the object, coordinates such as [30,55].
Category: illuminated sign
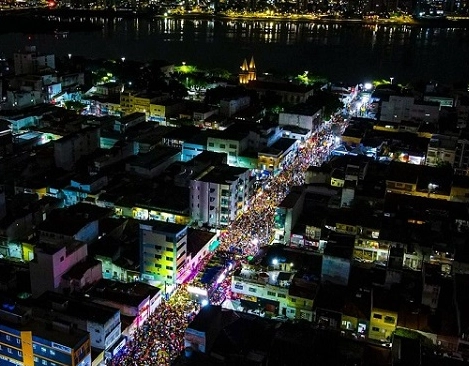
[11,360]
[61,348]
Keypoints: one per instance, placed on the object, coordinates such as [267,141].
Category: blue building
[36,342]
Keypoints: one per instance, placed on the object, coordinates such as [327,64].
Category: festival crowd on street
[161,338]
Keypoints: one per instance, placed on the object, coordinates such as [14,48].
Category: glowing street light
[391,79]
[69,56]
[123,59]
[275,261]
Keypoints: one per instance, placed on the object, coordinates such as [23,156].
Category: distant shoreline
[30,21]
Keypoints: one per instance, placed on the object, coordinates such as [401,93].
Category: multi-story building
[69,149]
[396,109]
[275,157]
[233,143]
[384,312]
[219,195]
[301,115]
[163,251]
[229,107]
[136,300]
[404,108]
[441,150]
[103,323]
[29,341]
[51,262]
[30,61]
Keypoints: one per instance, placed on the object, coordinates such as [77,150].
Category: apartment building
[219,195]
[163,251]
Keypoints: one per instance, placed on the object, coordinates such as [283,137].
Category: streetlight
[391,78]
[69,56]
[123,59]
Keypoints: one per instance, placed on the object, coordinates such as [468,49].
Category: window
[283,296]
[9,350]
[270,293]
[375,329]
[169,277]
[169,267]
[157,256]
[389,319]
[52,352]
[211,144]
[222,146]
[158,265]
[169,258]
[20,353]
[44,362]
[251,289]
[8,338]
[238,286]
[232,146]
[169,239]
[158,247]
[18,341]
[377,316]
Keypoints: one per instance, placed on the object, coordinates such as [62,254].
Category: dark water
[350,52]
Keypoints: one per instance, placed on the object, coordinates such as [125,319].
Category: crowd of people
[161,338]
[255,227]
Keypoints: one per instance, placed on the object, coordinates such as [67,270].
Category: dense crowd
[161,338]
[254,228]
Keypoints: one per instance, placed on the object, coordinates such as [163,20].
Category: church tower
[248,72]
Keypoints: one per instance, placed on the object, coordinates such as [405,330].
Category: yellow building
[383,318]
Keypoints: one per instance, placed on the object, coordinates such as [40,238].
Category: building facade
[219,195]
[163,251]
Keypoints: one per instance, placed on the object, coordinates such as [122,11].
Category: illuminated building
[163,251]
[248,72]
[157,108]
[384,311]
[280,153]
[28,341]
[219,195]
[136,300]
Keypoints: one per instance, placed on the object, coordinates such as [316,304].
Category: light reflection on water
[338,51]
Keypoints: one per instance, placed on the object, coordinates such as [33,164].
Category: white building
[219,195]
[69,149]
[30,61]
[405,108]
[232,144]
[103,323]
[301,115]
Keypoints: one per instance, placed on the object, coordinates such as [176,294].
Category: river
[339,51]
